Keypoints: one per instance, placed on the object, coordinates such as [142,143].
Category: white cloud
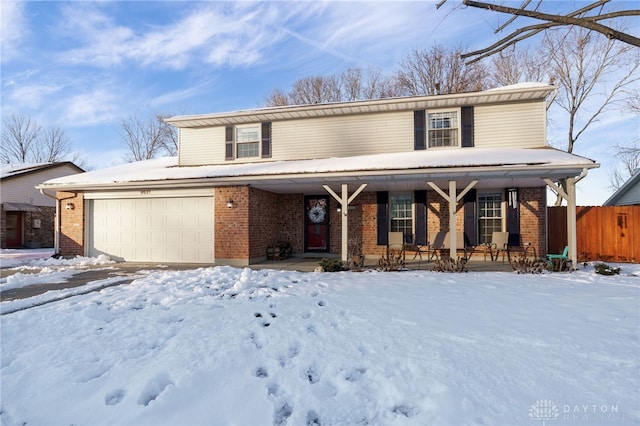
[32,96]
[209,34]
[92,108]
[14,28]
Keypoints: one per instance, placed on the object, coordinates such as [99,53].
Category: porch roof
[494,167]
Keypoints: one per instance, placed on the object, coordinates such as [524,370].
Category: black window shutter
[419,131]
[513,218]
[382,199]
[467,126]
[420,197]
[266,140]
[470,218]
[229,145]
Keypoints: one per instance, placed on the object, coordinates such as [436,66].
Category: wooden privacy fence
[609,234]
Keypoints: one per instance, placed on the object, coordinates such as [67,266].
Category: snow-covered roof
[628,194]
[8,170]
[460,161]
[11,170]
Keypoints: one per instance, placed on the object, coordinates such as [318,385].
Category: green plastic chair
[564,255]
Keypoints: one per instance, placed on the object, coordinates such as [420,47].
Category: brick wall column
[72,224]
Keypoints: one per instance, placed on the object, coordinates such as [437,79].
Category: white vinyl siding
[162,229]
[202,145]
[21,189]
[514,125]
[309,138]
[343,136]
[510,125]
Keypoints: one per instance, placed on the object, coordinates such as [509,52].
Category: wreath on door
[317,211]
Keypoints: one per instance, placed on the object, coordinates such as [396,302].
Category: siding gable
[516,125]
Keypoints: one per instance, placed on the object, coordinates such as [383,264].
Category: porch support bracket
[344,202]
[453,200]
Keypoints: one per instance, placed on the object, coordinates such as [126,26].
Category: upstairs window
[443,129]
[248,141]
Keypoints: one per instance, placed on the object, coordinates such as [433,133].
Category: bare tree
[144,137]
[587,17]
[518,67]
[593,73]
[378,86]
[352,83]
[276,98]
[25,141]
[171,141]
[54,145]
[629,158]
[316,90]
[439,71]
[19,138]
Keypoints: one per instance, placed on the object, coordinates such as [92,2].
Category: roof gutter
[519,170]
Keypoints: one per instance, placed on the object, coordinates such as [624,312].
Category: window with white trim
[401,215]
[443,129]
[247,142]
[489,215]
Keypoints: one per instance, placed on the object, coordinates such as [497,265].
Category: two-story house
[321,176]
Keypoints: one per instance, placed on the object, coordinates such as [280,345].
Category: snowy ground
[237,346]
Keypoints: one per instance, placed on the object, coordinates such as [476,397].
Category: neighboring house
[327,177]
[628,194]
[28,215]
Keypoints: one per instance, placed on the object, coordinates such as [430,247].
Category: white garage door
[153,229]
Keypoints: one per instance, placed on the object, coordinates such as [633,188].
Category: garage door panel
[153,229]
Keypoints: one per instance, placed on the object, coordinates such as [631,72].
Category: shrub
[522,265]
[332,265]
[604,269]
[394,261]
[450,265]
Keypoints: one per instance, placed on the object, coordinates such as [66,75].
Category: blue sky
[86,66]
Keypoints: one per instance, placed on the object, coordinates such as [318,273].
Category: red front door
[14,229]
[316,221]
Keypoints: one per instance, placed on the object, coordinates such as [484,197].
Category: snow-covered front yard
[223,346]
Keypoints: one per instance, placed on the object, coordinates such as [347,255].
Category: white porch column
[570,196]
[453,200]
[344,202]
[571,222]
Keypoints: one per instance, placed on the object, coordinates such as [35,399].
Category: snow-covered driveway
[237,346]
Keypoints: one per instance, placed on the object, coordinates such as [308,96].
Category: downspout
[56,226]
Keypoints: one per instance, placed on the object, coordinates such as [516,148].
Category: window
[490,215]
[401,212]
[248,141]
[443,129]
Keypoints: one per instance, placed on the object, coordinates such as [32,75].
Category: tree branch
[588,23]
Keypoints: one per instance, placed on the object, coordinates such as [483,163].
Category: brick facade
[258,219]
[72,224]
[34,235]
